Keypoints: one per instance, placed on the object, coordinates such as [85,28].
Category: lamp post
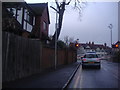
[110,27]
[56,26]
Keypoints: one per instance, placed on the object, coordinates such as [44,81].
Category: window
[12,11]
[44,25]
[29,18]
[90,56]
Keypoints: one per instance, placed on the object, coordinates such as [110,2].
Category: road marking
[77,80]
[81,78]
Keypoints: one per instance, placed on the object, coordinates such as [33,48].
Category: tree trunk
[60,19]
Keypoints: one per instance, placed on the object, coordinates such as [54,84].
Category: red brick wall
[44,17]
[37,23]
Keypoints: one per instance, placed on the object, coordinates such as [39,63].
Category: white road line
[76,82]
[78,74]
[81,78]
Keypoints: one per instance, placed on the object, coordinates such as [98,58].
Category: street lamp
[56,26]
[110,27]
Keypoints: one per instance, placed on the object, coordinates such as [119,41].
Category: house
[14,18]
[91,47]
[29,20]
[42,20]
[116,46]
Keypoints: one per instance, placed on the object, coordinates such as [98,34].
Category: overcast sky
[92,26]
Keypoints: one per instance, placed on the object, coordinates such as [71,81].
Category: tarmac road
[106,77]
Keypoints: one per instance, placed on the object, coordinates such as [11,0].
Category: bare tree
[71,39]
[66,39]
[60,10]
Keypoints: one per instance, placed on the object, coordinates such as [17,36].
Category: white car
[91,59]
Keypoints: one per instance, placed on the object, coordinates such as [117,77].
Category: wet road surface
[106,77]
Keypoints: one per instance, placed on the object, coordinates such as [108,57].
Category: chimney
[105,44]
[89,43]
[92,43]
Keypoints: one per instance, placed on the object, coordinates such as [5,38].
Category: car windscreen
[91,56]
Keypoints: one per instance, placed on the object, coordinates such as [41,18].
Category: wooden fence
[22,57]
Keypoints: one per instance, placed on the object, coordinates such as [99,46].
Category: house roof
[13,4]
[93,46]
[118,42]
[38,9]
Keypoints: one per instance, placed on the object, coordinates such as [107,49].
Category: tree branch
[54,9]
[75,3]
[56,1]
[79,9]
[79,1]
[68,2]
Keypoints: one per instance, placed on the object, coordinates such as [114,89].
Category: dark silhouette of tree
[60,10]
[61,44]
[68,40]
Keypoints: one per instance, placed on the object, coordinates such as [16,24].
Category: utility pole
[110,27]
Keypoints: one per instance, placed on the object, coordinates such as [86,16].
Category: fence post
[66,56]
[41,56]
[7,51]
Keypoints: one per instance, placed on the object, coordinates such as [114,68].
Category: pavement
[59,78]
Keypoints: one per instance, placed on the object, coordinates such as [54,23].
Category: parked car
[91,59]
[78,57]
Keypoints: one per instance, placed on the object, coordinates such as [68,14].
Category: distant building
[27,20]
[91,47]
[116,46]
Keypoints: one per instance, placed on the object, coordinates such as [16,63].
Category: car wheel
[99,66]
